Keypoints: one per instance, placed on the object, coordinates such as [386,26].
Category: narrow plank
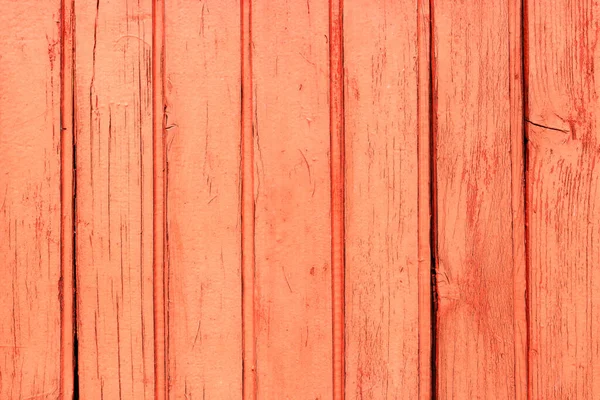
[113,92]
[476,332]
[67,294]
[381,57]
[337,169]
[159,201]
[202,71]
[424,195]
[30,199]
[290,75]
[563,199]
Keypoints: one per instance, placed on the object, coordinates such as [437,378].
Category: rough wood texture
[476,329]
[562,198]
[30,200]
[382,267]
[290,72]
[202,71]
[260,190]
[113,92]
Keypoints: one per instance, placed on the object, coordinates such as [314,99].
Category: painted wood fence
[299,199]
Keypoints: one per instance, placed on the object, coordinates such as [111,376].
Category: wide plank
[479,316]
[114,203]
[293,315]
[381,58]
[563,198]
[30,201]
[203,232]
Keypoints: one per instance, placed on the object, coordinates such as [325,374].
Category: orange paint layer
[35,353]
[203,222]
[479,256]
[563,198]
[292,192]
[114,223]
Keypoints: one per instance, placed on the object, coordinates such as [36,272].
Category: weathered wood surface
[223,199]
[31,289]
[114,200]
[479,347]
[382,66]
[290,83]
[202,92]
[562,198]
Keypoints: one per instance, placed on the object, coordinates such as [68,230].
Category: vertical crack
[525,113]
[433,199]
[69,370]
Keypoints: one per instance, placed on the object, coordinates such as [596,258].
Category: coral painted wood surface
[298,199]
[478,319]
[563,198]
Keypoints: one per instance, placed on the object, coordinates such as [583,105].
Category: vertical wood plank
[425,193]
[475,272]
[382,63]
[563,198]
[290,72]
[202,71]
[159,224]
[337,174]
[30,200]
[67,202]
[114,103]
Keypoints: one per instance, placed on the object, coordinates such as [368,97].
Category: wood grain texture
[425,193]
[290,72]
[30,200]
[113,92]
[381,60]
[562,198]
[338,209]
[475,329]
[202,71]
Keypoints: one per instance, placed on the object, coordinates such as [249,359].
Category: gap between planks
[68,335]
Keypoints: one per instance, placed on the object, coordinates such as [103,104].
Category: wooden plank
[478,342]
[562,198]
[159,237]
[337,168]
[113,92]
[290,75]
[202,71]
[67,203]
[30,200]
[382,62]
[247,207]
[425,192]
